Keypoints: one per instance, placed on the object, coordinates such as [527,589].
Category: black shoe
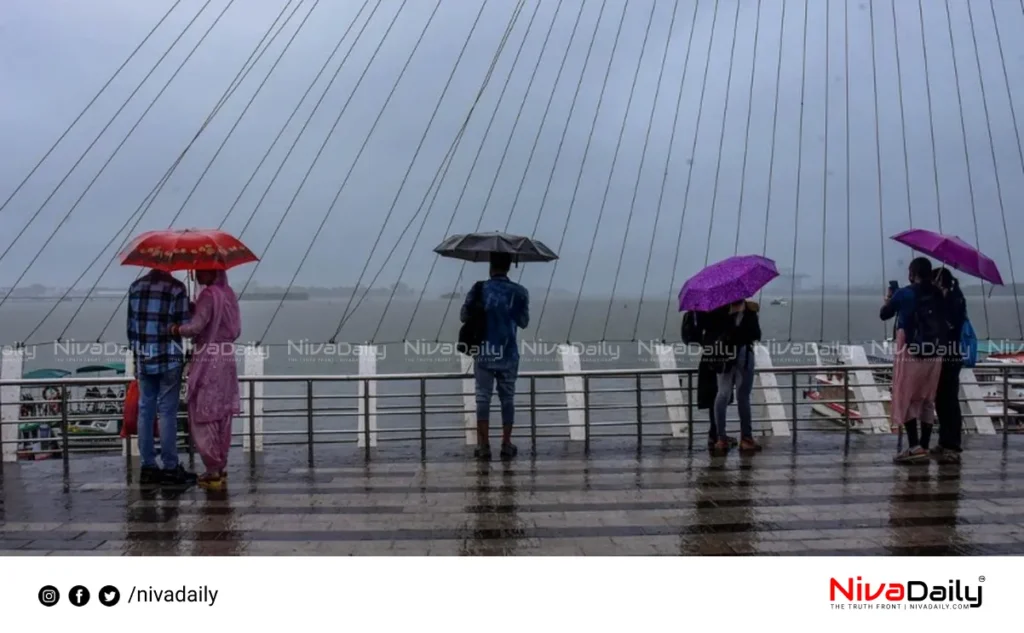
[509,450]
[482,452]
[150,476]
[178,477]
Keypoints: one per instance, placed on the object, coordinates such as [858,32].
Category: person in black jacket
[704,329]
[947,396]
[741,330]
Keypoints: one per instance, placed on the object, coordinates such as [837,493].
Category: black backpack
[690,334]
[474,331]
[928,327]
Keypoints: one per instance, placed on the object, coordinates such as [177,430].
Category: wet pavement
[808,499]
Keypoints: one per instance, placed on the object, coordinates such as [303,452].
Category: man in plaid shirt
[155,302]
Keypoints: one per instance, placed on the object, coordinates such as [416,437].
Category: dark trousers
[947,406]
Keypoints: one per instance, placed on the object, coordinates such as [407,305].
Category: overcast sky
[56,54]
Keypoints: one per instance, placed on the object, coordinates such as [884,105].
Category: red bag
[131,412]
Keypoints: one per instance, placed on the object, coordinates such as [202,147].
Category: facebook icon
[79,596]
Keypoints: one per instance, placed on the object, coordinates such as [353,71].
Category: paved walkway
[813,500]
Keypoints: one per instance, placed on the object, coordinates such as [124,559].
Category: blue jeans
[485,380]
[159,395]
[741,377]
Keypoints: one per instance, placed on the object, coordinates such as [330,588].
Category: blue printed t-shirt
[507,307]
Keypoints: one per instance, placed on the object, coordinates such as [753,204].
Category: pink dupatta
[213,392]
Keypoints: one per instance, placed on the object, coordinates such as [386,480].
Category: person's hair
[921,268]
[501,262]
[946,280]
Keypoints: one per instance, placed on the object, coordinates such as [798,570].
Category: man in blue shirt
[157,301]
[506,307]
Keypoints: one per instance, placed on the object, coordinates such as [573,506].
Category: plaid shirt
[155,302]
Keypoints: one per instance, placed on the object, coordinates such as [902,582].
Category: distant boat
[779,302]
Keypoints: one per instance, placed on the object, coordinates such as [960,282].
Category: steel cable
[721,140]
[640,171]
[501,163]
[423,202]
[771,158]
[586,149]
[316,158]
[78,118]
[1016,134]
[967,152]
[105,164]
[611,172]
[799,176]
[437,107]
[147,201]
[668,163]
[441,172]
[824,167]
[878,154]
[746,136]
[689,171]
[846,114]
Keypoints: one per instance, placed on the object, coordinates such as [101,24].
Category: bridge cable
[689,171]
[721,140]
[565,130]
[544,118]
[1016,131]
[799,178]
[846,117]
[408,171]
[302,100]
[775,129]
[442,173]
[87,106]
[451,219]
[668,162]
[611,172]
[355,161]
[931,116]
[54,191]
[586,151]
[517,9]
[746,136]
[439,179]
[967,153]
[147,201]
[301,131]
[103,168]
[824,166]
[640,171]
[327,138]
[145,207]
[878,155]
[903,111]
[305,125]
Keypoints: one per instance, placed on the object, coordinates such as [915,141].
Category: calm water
[294,344]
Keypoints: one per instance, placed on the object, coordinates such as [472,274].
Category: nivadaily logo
[912,594]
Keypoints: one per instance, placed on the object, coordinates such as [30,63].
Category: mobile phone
[894,285]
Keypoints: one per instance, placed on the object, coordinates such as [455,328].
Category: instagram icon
[49,596]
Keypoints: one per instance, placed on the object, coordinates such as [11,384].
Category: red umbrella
[191,249]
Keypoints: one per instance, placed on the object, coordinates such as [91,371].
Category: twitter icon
[109,596]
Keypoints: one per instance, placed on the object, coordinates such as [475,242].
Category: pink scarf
[225,325]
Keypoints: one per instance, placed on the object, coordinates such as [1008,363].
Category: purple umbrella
[726,282]
[952,251]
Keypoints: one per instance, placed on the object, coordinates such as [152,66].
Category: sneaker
[482,452]
[178,477]
[949,457]
[721,447]
[150,476]
[748,445]
[733,442]
[509,450]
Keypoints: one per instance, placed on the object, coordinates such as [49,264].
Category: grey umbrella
[477,247]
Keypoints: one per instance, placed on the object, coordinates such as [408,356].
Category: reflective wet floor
[811,499]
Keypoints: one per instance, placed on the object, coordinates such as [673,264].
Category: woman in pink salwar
[213,398]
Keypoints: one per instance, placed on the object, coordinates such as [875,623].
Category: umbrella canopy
[191,249]
[726,282]
[953,252]
[478,247]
